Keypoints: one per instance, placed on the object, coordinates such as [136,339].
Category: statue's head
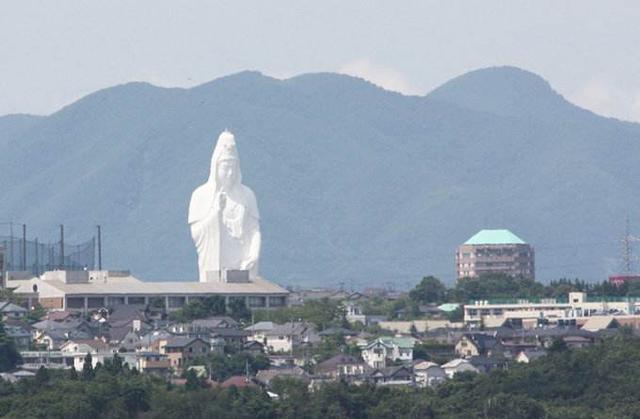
[227,173]
[225,164]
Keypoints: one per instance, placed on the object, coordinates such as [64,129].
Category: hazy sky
[53,52]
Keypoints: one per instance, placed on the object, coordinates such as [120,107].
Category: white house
[78,349]
[388,348]
[428,374]
[354,314]
[458,365]
[283,338]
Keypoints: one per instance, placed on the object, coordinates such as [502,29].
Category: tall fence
[37,257]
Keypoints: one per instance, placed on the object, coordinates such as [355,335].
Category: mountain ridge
[354,183]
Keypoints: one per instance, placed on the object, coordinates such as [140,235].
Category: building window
[257,301]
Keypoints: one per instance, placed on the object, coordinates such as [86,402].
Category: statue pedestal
[229,276]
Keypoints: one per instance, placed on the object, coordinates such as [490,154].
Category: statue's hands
[219,202]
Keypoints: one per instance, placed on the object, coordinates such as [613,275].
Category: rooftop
[130,285]
[501,236]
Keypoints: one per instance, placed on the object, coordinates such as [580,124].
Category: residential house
[153,363]
[150,342]
[485,364]
[341,366]
[385,348]
[354,314]
[392,376]
[428,374]
[79,348]
[477,344]
[9,310]
[52,334]
[458,365]
[253,347]
[21,337]
[282,360]
[33,360]
[283,338]
[203,326]
[230,336]
[181,349]
[124,325]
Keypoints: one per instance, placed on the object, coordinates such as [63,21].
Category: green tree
[36,313]
[9,355]
[429,290]
[238,309]
[193,381]
[87,368]
[42,376]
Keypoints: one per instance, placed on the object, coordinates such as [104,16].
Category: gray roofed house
[53,333]
[253,346]
[283,337]
[13,311]
[20,336]
[475,344]
[181,341]
[149,341]
[129,342]
[487,363]
[260,326]
[399,375]
[341,365]
[217,322]
[200,326]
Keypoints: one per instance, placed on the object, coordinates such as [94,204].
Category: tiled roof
[180,342]
[239,381]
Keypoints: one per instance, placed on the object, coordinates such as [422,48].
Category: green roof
[402,342]
[449,307]
[494,237]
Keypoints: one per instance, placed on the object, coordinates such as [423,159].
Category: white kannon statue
[223,217]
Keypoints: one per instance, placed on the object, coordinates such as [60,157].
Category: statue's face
[227,173]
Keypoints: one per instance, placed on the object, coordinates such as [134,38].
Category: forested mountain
[355,184]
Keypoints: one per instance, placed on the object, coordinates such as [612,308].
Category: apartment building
[495,251]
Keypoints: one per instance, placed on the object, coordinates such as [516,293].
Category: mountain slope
[355,184]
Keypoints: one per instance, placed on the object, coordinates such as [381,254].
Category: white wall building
[91,290]
[578,305]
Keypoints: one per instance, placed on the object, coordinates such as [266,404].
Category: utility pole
[99,248]
[37,261]
[24,247]
[11,246]
[61,247]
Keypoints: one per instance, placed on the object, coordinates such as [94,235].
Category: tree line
[600,381]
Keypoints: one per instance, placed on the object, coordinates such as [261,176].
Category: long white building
[91,290]
[577,305]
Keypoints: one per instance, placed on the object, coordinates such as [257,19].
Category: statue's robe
[224,239]
[225,226]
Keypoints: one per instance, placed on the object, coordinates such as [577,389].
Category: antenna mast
[627,249]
